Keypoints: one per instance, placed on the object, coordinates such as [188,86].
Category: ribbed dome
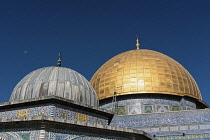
[143,71]
[58,81]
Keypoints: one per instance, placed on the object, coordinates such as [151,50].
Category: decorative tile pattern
[204,126]
[25,136]
[169,126]
[136,104]
[169,123]
[164,129]
[162,108]
[54,110]
[175,108]
[56,134]
[121,110]
[23,113]
[81,117]
[148,108]
[63,115]
[36,110]
[205,136]
[19,134]
[134,109]
[70,113]
[174,128]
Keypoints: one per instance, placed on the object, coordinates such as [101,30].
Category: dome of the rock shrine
[142,71]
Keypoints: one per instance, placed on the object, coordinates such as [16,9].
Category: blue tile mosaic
[56,134]
[19,134]
[194,123]
[154,104]
[54,110]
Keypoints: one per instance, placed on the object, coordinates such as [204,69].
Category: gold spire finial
[137,42]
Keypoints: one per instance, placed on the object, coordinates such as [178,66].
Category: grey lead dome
[57,81]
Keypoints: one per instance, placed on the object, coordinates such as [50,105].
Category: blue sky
[88,33]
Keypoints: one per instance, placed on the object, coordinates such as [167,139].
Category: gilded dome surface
[143,71]
[57,81]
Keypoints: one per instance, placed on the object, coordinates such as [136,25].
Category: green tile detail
[121,110]
[25,136]
[175,108]
[148,109]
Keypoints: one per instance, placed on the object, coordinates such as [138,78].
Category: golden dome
[143,71]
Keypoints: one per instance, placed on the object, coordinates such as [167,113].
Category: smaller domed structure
[57,81]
